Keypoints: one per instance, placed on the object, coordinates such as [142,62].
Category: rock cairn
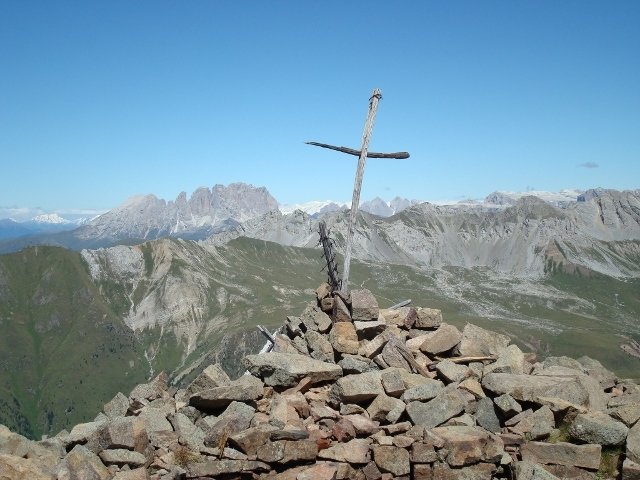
[352,391]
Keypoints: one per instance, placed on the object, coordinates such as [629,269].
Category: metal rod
[400,305]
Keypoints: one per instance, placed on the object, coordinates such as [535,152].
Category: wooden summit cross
[363,153]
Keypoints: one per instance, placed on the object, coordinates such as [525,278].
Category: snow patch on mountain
[314,207]
[507,198]
[52,218]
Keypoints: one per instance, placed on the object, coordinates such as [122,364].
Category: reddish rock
[468,445]
[630,470]
[286,451]
[323,291]
[423,453]
[371,471]
[428,318]
[343,430]
[392,459]
[249,440]
[444,338]
[422,472]
[364,306]
[479,471]
[561,453]
[363,425]
[340,311]
[477,341]
[343,338]
[356,451]
[215,468]
[320,471]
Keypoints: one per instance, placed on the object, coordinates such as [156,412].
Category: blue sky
[103,100]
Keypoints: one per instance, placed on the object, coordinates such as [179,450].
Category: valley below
[177,306]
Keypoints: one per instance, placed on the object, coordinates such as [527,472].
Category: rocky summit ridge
[350,390]
[205,212]
[600,233]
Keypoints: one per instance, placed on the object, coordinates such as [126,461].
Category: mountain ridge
[513,239]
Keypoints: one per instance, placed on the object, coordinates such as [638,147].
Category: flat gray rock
[424,392]
[392,459]
[580,390]
[536,426]
[211,377]
[356,388]
[219,397]
[526,470]
[561,453]
[444,338]
[510,360]
[315,319]
[117,407]
[428,318]
[236,418]
[598,427]
[122,457]
[351,364]
[486,415]
[215,468]
[633,443]
[452,372]
[507,405]
[477,341]
[446,405]
[594,369]
[286,369]
[355,451]
[82,464]
[386,409]
[343,338]
[319,346]
[124,432]
[364,306]
[468,445]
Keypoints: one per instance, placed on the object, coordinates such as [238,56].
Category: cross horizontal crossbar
[351,151]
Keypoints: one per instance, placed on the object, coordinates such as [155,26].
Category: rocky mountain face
[379,207]
[352,391]
[207,211]
[600,234]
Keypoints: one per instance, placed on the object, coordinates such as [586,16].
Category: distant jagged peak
[315,207]
[138,200]
[207,210]
[233,190]
[377,206]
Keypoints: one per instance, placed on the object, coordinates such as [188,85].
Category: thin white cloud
[589,165]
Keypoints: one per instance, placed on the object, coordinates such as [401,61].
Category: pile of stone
[352,391]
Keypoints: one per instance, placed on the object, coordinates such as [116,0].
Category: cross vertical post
[355,201]
[362,155]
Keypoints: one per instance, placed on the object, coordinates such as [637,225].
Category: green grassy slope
[63,349]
